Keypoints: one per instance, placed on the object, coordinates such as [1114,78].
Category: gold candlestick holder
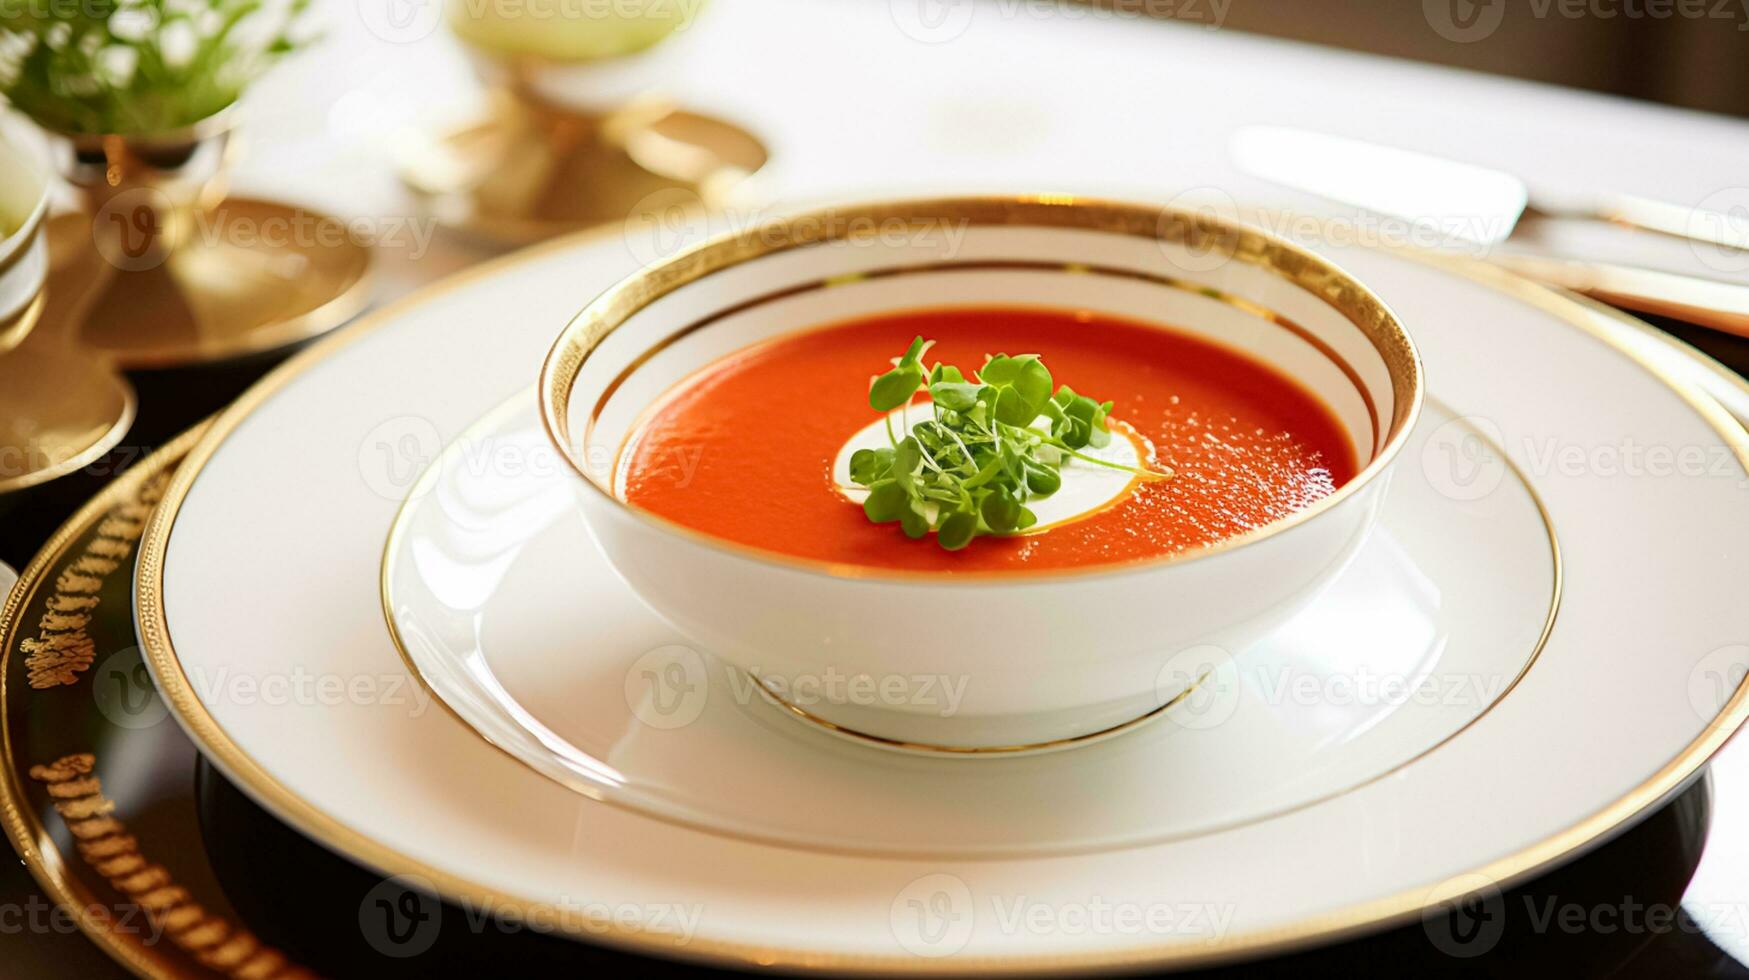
[160,267]
[60,409]
[532,167]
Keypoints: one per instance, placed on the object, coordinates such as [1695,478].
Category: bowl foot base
[530,170]
[247,276]
[837,730]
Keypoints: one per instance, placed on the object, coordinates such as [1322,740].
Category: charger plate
[90,796]
[146,767]
[1639,682]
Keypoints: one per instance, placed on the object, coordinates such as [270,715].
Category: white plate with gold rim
[511,615]
[263,565]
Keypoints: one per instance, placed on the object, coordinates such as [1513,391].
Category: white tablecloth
[876,96]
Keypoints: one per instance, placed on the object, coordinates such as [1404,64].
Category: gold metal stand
[158,269]
[532,169]
[161,269]
[60,409]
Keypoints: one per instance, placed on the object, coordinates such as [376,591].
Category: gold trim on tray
[112,520]
[35,372]
[105,844]
[62,650]
[174,685]
[1201,233]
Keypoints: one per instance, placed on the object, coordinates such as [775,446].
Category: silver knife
[1474,204]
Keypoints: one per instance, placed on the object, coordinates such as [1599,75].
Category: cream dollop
[1087,487]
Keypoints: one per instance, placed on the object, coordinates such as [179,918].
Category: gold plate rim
[1603,324]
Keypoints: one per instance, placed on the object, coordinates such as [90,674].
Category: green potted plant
[138,100]
[134,67]
[139,92]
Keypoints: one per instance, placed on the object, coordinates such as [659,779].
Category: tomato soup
[745,449]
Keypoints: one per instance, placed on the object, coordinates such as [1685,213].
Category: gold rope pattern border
[62,649]
[107,847]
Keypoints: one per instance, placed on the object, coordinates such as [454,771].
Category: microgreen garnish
[971,468]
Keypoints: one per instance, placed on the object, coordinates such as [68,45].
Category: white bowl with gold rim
[1057,657]
[24,252]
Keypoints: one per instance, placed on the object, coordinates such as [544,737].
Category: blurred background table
[875,97]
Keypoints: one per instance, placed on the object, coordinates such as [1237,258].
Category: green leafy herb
[971,468]
[139,66]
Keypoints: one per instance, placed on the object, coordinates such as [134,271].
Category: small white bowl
[1056,657]
[24,251]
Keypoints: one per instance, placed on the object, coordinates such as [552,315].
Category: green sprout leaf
[970,468]
[907,457]
[870,465]
[914,524]
[913,356]
[1001,512]
[955,396]
[1023,386]
[895,388]
[957,531]
[887,502]
[1079,421]
[1042,479]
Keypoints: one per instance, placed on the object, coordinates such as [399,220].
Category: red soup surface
[744,449]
